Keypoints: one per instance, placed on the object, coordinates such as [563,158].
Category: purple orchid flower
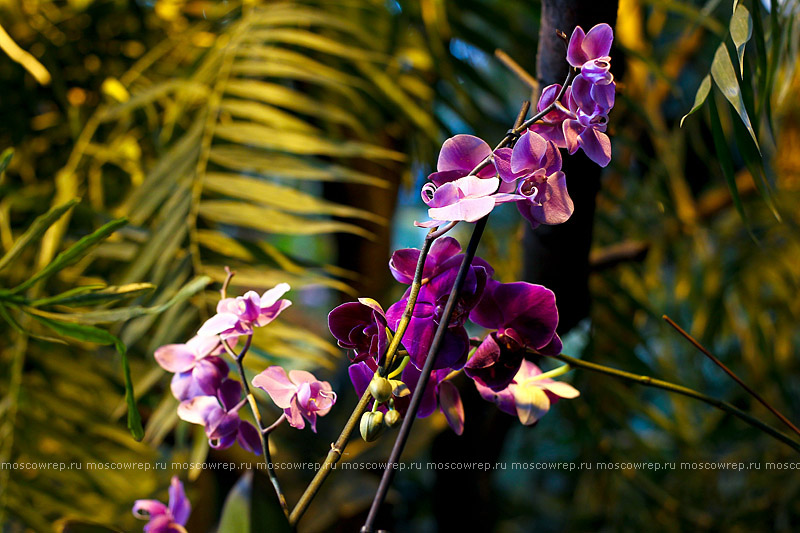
[300,395]
[439,274]
[525,317]
[360,326]
[198,371]
[589,52]
[528,396]
[452,193]
[588,106]
[238,316]
[535,164]
[550,126]
[162,518]
[220,416]
[458,156]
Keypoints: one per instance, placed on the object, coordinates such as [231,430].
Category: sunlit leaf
[725,77]
[35,231]
[741,31]
[700,96]
[73,253]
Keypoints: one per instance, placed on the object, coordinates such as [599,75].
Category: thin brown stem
[728,371]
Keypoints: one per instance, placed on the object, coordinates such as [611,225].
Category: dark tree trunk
[558,256]
[555,256]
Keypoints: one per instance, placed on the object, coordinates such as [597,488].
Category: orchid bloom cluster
[523,315]
[530,174]
[209,397]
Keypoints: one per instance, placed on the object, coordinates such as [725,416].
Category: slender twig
[728,371]
[275,424]
[517,69]
[262,433]
[685,391]
[330,460]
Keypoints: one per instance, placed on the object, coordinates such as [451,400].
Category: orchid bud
[371,425]
[380,388]
[392,418]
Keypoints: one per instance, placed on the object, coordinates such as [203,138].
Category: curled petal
[148,508]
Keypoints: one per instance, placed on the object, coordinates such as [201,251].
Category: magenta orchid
[165,518]
[445,258]
[220,416]
[361,327]
[589,52]
[534,166]
[588,119]
[198,370]
[300,395]
[525,317]
[530,394]
[238,316]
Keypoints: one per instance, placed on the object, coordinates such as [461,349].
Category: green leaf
[700,97]
[741,31]
[100,336]
[279,197]
[273,221]
[235,516]
[35,231]
[118,315]
[283,166]
[73,253]
[724,156]
[95,294]
[5,159]
[725,78]
[301,143]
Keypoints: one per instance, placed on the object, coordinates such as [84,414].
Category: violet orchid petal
[450,404]
[528,152]
[427,405]
[277,384]
[217,324]
[462,152]
[572,130]
[596,145]
[248,438]
[575,53]
[469,210]
[179,505]
[175,357]
[229,393]
[597,42]
[199,409]
[504,399]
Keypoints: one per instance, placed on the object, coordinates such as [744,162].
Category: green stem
[685,391]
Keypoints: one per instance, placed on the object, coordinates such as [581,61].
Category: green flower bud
[371,425]
[380,388]
[392,419]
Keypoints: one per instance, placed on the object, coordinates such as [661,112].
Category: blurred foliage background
[287,140]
